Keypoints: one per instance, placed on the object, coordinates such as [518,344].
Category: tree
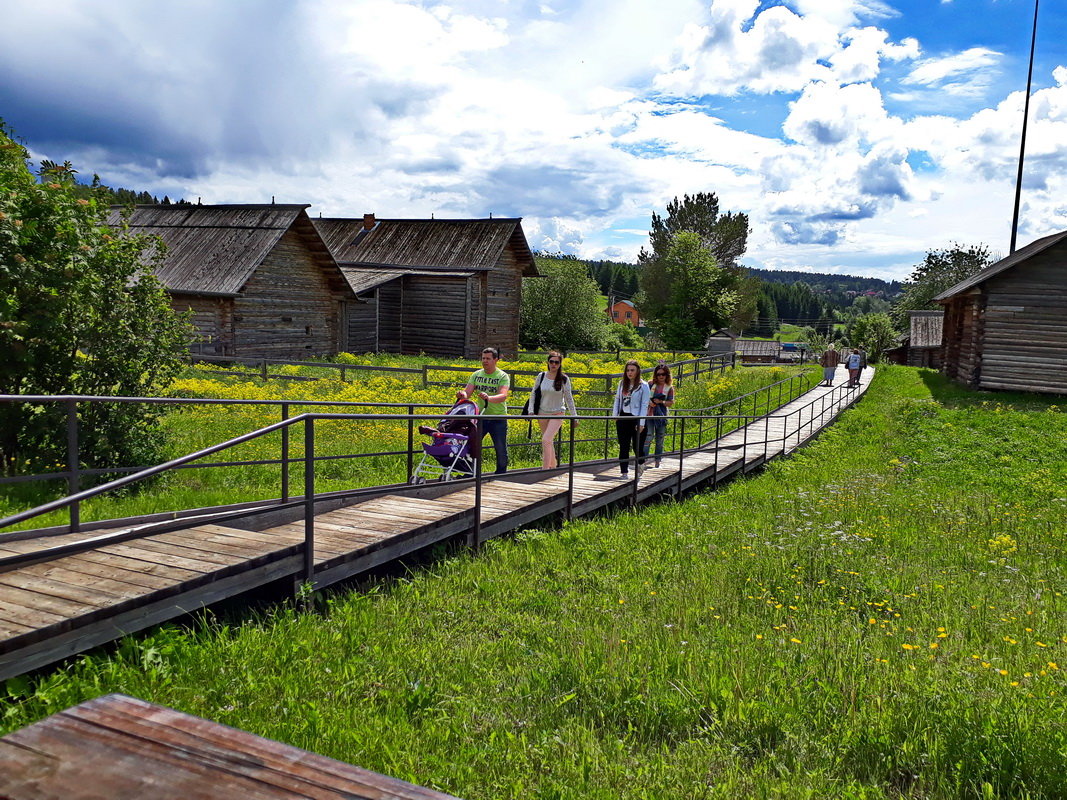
[80,313]
[874,333]
[939,270]
[563,308]
[686,293]
[725,235]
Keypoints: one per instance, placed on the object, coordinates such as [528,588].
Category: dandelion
[795,641]
[907,646]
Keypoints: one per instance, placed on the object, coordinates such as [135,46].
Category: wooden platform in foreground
[122,748]
[51,610]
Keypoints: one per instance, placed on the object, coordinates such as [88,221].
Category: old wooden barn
[258,278]
[921,345]
[1006,327]
[441,287]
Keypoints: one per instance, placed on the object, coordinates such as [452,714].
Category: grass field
[190,428]
[881,615]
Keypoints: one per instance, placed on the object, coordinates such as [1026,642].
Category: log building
[1006,326]
[440,287]
[258,278]
[921,345]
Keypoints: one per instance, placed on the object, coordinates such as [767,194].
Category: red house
[625,313]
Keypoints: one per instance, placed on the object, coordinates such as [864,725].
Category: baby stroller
[454,445]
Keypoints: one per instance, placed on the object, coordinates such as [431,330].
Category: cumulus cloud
[553,235]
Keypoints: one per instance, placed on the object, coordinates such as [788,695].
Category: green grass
[881,615]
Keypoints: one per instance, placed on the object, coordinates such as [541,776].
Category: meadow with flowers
[189,428]
[880,615]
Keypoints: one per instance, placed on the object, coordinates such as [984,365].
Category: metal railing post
[476,534]
[570,475]
[73,464]
[285,455]
[744,448]
[411,442]
[681,459]
[309,500]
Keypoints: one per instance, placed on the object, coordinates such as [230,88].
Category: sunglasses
[554,361]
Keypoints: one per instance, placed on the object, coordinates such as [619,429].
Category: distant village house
[625,313]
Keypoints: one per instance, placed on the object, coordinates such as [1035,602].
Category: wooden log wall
[960,345]
[503,302]
[476,289]
[1024,331]
[213,319]
[361,325]
[390,304]
[434,315]
[288,308]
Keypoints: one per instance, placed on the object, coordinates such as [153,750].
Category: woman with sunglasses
[629,409]
[552,395]
[662,399]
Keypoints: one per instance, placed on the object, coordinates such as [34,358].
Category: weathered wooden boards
[51,610]
[120,747]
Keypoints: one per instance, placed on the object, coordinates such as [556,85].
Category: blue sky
[856,134]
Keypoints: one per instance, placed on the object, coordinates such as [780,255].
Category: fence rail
[702,364]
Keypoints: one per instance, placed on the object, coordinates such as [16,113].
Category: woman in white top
[631,404]
[552,396]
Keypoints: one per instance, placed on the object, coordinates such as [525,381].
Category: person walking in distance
[661,399]
[629,409]
[852,364]
[552,395]
[491,385]
[829,361]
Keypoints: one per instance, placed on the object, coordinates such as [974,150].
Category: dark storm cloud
[174,90]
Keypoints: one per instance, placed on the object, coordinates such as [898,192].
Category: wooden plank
[119,747]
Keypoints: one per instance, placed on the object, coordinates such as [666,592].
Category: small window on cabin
[307,330]
[287,319]
[628,315]
[615,314]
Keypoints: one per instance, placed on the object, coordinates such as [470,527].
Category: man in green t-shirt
[490,387]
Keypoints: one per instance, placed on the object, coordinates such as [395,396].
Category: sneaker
[624,474]
[656,465]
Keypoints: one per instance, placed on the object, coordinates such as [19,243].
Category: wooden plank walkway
[58,608]
[122,748]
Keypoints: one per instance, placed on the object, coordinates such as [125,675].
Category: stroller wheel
[418,480]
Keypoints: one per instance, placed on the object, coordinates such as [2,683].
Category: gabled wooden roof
[214,250]
[450,244]
[1016,258]
[757,347]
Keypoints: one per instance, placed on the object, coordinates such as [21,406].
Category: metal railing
[809,418]
[75,473]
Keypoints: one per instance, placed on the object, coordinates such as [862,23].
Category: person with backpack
[852,364]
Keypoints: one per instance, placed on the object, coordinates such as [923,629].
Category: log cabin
[259,280]
[439,287]
[1006,327]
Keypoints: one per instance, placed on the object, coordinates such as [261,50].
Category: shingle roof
[215,249]
[756,347]
[1013,260]
[450,244]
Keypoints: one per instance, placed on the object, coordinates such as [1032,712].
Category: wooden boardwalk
[58,608]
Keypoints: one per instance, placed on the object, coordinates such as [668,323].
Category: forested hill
[829,282]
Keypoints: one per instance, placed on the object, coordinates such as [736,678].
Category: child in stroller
[454,445]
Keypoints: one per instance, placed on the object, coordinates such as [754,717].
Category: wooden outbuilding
[1006,327]
[434,286]
[921,345]
[757,351]
[258,278]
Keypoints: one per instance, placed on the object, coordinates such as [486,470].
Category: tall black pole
[1022,143]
